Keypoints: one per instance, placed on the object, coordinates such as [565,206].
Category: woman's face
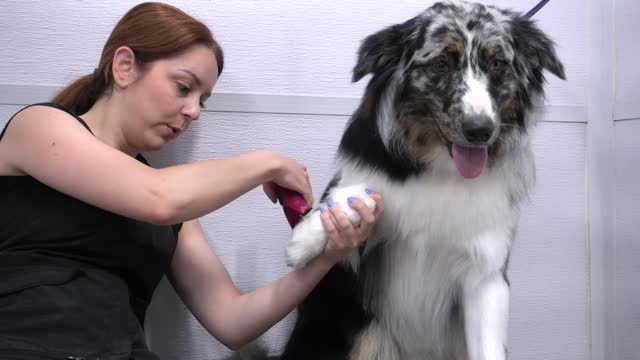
[169,95]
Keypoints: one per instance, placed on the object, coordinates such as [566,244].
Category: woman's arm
[205,286]
[54,148]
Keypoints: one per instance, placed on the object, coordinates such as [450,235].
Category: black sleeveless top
[74,277]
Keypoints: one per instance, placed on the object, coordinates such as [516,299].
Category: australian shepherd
[443,132]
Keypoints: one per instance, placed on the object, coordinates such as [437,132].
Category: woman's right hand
[289,174]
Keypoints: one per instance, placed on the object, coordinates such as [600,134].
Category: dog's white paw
[309,237]
[307,241]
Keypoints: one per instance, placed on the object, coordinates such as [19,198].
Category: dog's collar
[537,8]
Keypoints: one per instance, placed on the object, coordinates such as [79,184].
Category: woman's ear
[124,67]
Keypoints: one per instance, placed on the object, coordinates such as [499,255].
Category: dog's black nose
[477,128]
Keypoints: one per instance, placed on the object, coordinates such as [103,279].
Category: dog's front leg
[308,240]
[486,313]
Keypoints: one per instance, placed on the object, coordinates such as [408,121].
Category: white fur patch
[387,125]
[477,99]
[486,304]
[374,343]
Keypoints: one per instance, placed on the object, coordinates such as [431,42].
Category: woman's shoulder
[46,107]
[31,130]
[45,113]
[49,109]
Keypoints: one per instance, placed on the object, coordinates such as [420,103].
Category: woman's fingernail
[329,203]
[369,191]
[322,210]
[351,199]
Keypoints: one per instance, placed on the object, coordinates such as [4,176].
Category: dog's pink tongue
[470,161]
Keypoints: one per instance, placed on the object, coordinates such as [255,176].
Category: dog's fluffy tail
[252,352]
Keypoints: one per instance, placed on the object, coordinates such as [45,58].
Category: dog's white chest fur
[441,233]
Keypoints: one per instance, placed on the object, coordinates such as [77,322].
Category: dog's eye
[440,66]
[496,64]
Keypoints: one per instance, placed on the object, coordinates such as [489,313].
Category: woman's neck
[105,121]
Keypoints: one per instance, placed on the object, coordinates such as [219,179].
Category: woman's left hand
[343,236]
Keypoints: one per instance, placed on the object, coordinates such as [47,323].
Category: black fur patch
[329,319]
[251,352]
[384,49]
[534,50]
[333,183]
[471,24]
[362,143]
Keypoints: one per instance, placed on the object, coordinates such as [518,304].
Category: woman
[87,228]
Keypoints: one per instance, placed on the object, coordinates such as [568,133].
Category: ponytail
[82,94]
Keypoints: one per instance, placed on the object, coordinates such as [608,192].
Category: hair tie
[97,86]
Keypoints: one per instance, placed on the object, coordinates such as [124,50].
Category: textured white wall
[627,242]
[627,174]
[291,47]
[272,47]
[627,52]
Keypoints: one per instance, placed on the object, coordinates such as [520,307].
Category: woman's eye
[183,89]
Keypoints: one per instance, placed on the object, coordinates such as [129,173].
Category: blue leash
[537,8]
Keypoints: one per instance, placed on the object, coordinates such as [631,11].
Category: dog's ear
[384,49]
[534,48]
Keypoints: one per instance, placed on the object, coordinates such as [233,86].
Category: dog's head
[460,75]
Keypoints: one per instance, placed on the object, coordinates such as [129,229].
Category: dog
[443,132]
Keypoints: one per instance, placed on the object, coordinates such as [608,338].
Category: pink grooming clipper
[293,204]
